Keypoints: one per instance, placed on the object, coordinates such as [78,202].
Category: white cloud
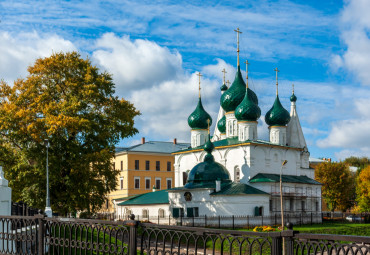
[348,134]
[343,154]
[355,26]
[19,51]
[136,64]
[165,107]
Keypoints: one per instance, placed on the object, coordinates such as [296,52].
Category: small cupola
[198,121]
[277,115]
[248,109]
[277,118]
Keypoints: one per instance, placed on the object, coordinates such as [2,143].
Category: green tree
[360,163]
[338,185]
[67,100]
[363,190]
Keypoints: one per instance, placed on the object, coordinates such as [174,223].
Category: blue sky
[154,49]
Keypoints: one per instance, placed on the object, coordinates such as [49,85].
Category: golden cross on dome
[293,88]
[224,71]
[247,63]
[277,84]
[237,50]
[208,122]
[199,74]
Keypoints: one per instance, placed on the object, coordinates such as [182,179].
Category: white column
[5,210]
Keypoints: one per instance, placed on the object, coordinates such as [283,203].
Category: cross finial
[277,83]
[224,71]
[228,83]
[208,122]
[237,50]
[199,74]
[293,88]
[247,63]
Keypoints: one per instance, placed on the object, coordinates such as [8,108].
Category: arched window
[161,213]
[145,213]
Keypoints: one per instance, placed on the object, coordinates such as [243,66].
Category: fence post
[180,219]
[219,221]
[233,222]
[248,221]
[169,219]
[311,218]
[133,224]
[205,220]
[262,219]
[288,235]
[276,248]
[41,234]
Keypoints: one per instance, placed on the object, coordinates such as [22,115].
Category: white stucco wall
[219,205]
[250,159]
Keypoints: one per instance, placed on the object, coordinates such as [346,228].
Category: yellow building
[143,167]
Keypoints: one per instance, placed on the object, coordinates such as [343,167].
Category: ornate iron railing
[40,235]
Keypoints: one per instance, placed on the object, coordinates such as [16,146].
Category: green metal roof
[221,125]
[223,87]
[238,189]
[156,197]
[233,141]
[277,115]
[232,97]
[285,178]
[247,110]
[293,98]
[208,171]
[198,118]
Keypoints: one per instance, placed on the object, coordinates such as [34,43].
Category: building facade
[142,168]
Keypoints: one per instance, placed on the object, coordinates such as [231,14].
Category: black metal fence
[22,209]
[246,221]
[40,235]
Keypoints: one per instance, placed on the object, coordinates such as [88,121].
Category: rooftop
[154,146]
[156,197]
[229,142]
[285,178]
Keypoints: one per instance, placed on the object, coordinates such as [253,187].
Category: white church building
[234,172]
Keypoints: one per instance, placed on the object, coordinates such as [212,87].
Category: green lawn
[336,229]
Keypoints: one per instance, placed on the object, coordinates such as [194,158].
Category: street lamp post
[281,201]
[48,210]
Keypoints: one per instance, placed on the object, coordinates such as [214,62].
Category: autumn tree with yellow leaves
[66,100]
[363,190]
[338,188]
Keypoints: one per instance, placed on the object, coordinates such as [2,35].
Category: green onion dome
[293,98]
[223,87]
[277,115]
[198,118]
[247,110]
[206,173]
[232,97]
[221,125]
